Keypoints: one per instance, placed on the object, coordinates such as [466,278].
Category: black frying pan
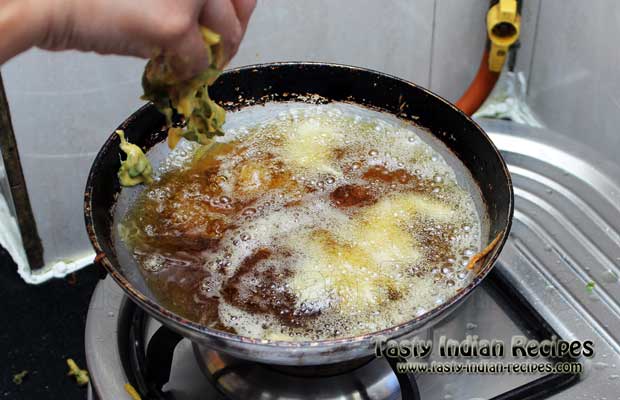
[476,155]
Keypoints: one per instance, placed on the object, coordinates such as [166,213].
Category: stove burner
[148,352]
[236,379]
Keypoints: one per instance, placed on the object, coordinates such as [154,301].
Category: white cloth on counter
[11,240]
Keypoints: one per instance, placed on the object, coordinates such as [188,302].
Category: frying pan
[261,86]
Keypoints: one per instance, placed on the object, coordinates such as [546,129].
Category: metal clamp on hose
[503,28]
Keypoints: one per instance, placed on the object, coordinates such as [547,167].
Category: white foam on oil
[355,272]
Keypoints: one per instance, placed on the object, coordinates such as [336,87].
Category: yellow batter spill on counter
[133,393]
[80,375]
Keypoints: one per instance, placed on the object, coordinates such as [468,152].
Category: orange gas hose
[480,87]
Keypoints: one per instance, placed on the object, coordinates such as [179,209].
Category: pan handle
[475,259]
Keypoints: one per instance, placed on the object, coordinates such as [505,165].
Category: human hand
[141,28]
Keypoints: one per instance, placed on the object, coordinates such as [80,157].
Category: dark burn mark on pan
[268,294]
[352,196]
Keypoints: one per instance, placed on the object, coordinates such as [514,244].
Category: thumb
[189,56]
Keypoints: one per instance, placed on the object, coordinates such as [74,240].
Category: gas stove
[557,275]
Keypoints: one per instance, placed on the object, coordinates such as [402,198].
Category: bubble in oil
[153,263]
[249,212]
[414,282]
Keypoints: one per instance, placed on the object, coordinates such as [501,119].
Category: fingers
[229,18]
[190,55]
[21,27]
[144,28]
[244,9]
[169,28]
[221,16]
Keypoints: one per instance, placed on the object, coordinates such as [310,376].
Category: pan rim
[166,316]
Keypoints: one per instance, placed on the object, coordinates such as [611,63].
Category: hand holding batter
[138,28]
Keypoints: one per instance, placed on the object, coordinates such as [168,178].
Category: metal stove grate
[151,361]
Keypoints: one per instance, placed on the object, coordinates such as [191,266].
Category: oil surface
[315,224]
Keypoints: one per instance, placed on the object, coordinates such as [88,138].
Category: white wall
[63,106]
[574,81]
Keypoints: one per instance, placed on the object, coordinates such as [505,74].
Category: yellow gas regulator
[503,28]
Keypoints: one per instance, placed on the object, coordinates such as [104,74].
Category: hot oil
[312,225]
